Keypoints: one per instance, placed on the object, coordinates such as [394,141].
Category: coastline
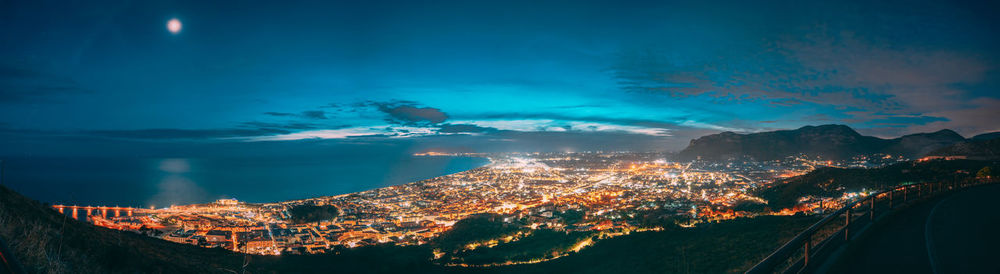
[489,161]
[158,182]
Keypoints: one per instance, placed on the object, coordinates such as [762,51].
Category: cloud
[671,123]
[411,119]
[872,79]
[551,125]
[409,112]
[280,114]
[309,114]
[351,132]
[786,102]
[189,134]
[314,114]
[564,141]
[839,69]
[489,127]
[287,126]
[463,128]
[976,118]
[19,84]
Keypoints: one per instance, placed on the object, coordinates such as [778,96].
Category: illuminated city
[538,189]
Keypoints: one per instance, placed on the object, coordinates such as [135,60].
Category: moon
[174,26]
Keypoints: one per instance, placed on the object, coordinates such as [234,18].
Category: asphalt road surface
[954,233]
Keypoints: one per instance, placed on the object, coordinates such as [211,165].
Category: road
[954,233]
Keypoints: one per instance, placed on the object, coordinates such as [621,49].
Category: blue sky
[486,75]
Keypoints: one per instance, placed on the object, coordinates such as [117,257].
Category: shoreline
[489,161]
[142,182]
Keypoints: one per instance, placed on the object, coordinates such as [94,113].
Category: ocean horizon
[162,182]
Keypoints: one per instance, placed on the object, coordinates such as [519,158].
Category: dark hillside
[982,149]
[41,242]
[835,181]
[728,247]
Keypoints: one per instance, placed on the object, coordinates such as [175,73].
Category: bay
[146,182]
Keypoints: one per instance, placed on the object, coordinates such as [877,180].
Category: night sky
[279,77]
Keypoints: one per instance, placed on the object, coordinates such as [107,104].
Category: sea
[156,182]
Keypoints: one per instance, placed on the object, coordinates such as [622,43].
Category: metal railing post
[871,212]
[806,255]
[847,225]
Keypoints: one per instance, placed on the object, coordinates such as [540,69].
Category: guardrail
[799,254]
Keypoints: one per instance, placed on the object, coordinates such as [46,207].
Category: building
[227,202]
[218,236]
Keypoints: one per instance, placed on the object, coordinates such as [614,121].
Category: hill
[827,141]
[45,241]
[313,213]
[981,149]
[728,247]
[833,182]
[986,136]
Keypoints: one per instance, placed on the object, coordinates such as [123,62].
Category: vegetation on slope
[540,244]
[830,181]
[730,246]
[312,213]
[982,149]
[44,241]
[475,228]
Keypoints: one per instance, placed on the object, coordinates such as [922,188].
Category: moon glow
[174,26]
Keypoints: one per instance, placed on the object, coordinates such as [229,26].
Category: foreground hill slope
[727,247]
[45,241]
[827,141]
[833,182]
[982,149]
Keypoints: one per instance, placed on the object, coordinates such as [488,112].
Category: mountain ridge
[826,141]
